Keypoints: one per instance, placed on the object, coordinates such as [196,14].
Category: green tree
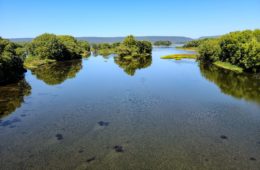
[11,65]
[85,48]
[73,48]
[134,48]
[48,46]
[238,48]
[162,43]
[209,51]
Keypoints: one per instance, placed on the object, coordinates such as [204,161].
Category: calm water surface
[103,113]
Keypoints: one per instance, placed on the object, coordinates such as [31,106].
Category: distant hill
[173,39]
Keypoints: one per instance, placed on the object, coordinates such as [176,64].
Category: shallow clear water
[101,114]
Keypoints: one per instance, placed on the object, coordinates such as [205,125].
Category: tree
[11,65]
[251,51]
[48,46]
[134,48]
[85,47]
[238,48]
[209,51]
[73,48]
[163,43]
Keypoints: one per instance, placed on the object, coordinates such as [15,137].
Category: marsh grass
[180,56]
[228,66]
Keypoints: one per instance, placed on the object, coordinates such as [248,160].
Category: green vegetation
[48,48]
[163,43]
[241,49]
[196,43]
[228,66]
[75,49]
[131,47]
[240,85]
[133,55]
[11,62]
[180,56]
[12,96]
[104,49]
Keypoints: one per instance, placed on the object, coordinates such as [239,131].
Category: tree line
[46,48]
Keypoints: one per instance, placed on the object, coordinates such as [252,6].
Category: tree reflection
[241,86]
[130,64]
[12,96]
[58,72]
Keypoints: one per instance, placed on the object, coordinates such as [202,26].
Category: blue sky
[192,18]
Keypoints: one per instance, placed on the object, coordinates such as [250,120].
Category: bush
[238,48]
[48,46]
[209,51]
[11,65]
[73,49]
[134,48]
[162,43]
[196,43]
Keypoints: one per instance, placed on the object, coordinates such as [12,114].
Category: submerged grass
[32,62]
[228,66]
[180,56]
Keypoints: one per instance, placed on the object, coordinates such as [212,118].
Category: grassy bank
[228,66]
[180,56]
[34,62]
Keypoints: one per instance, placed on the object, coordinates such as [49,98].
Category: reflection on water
[165,117]
[131,64]
[12,96]
[57,73]
[241,86]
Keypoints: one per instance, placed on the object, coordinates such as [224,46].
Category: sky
[109,18]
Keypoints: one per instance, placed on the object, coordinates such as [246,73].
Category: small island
[49,48]
[180,56]
[163,43]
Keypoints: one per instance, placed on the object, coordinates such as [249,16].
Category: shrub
[11,65]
